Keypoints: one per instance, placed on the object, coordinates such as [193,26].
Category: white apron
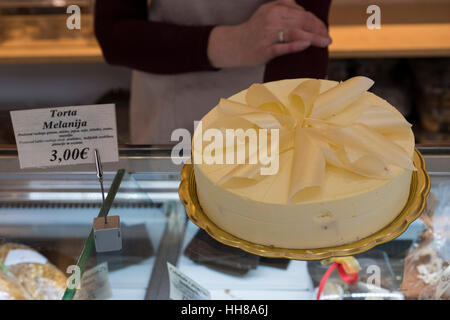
[162,103]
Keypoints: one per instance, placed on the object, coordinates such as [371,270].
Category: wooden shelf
[392,40]
[349,41]
[50,51]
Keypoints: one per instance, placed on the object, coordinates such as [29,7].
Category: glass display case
[51,211]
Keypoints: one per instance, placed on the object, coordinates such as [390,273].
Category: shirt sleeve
[129,39]
[309,63]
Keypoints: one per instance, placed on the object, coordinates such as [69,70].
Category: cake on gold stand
[420,187]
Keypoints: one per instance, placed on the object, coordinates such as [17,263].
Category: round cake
[303,163]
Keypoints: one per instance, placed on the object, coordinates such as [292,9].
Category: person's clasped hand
[276,28]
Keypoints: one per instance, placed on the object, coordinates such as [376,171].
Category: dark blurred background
[44,64]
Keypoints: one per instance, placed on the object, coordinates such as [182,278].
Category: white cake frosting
[302,207]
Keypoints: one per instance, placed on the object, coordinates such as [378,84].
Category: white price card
[65,135]
[184,288]
[95,284]
[443,285]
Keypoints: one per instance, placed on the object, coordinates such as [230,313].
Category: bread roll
[41,281]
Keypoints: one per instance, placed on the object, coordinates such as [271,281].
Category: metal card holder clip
[107,233]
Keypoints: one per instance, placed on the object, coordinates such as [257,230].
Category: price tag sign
[65,135]
[184,288]
[95,284]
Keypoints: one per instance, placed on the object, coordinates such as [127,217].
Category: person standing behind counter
[186,55]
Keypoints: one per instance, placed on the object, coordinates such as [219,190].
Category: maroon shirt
[128,38]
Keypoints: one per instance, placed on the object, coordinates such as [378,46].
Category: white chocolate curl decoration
[313,121]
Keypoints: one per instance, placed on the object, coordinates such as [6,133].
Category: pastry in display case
[39,278]
[344,172]
[426,271]
[10,289]
[365,288]
[207,251]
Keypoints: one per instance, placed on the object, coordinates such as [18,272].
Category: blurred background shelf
[51,51]
[44,63]
[392,40]
[349,41]
[35,32]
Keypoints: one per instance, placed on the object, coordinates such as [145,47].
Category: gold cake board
[420,187]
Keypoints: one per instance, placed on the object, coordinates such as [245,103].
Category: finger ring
[281,37]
